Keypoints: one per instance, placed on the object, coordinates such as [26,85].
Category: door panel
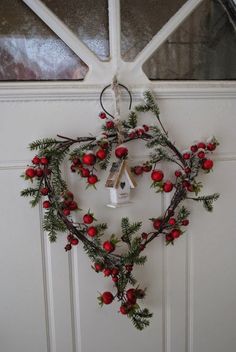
[191,286]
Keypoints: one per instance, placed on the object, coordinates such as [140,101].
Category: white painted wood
[80,91]
[182,283]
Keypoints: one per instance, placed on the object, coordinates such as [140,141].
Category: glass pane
[141,20]
[202,48]
[30,51]
[88,19]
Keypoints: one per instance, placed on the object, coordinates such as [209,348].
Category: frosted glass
[88,19]
[202,48]
[141,20]
[30,51]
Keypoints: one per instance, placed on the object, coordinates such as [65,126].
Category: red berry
[168,186]
[175,233]
[108,246]
[144,235]
[89,159]
[36,160]
[187,170]
[142,247]
[123,309]
[74,241]
[101,154]
[44,160]
[92,231]
[131,296]
[107,297]
[73,205]
[66,212]
[140,132]
[70,237]
[110,124]
[84,172]
[92,179]
[46,204]
[107,272]
[201,145]
[39,172]
[102,115]
[73,169]
[178,173]
[44,191]
[185,222]
[129,267]
[186,183]
[68,195]
[76,161]
[88,219]
[132,135]
[157,175]
[138,170]
[115,279]
[194,148]
[157,224]
[147,168]
[169,238]
[146,128]
[190,188]
[211,146]
[30,172]
[115,271]
[207,164]
[98,267]
[201,155]
[121,152]
[172,221]
[186,156]
[68,247]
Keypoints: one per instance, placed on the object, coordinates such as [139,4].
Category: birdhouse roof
[117,170]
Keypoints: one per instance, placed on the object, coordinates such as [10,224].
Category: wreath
[94,153]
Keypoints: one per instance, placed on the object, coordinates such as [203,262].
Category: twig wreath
[87,155]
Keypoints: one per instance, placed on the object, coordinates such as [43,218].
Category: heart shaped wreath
[87,154]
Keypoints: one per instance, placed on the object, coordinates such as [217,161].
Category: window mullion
[165,32]
[63,32]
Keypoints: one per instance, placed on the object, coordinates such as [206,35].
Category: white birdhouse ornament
[119,182]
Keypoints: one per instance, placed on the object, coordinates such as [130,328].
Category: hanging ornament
[92,153]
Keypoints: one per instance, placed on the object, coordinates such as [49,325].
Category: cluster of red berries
[138,131]
[140,169]
[72,241]
[85,164]
[157,177]
[131,296]
[200,150]
[68,203]
[173,226]
[38,169]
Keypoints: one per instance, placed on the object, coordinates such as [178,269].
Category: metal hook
[104,89]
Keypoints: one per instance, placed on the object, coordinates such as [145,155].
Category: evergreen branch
[140,318]
[207,201]
[43,143]
[29,192]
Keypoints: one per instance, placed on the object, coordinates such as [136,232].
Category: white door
[48,297]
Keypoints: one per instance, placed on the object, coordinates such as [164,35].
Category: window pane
[88,19]
[141,20]
[29,50]
[202,48]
